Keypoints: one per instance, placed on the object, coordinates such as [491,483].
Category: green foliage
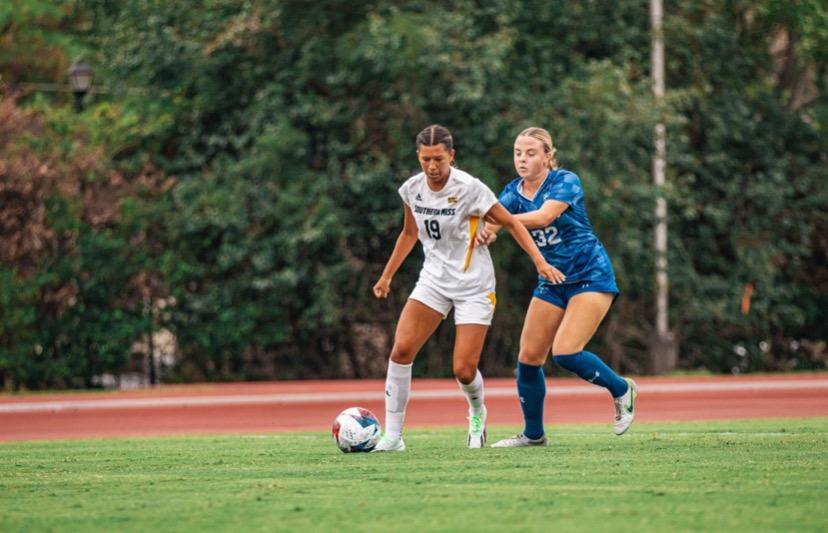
[95,333]
[36,36]
[18,327]
[753,175]
[261,145]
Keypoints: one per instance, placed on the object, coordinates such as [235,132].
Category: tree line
[234,180]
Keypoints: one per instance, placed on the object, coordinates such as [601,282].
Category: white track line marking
[377,395]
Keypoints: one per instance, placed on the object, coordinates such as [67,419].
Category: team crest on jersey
[452,199]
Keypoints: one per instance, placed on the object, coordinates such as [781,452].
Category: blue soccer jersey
[568,243]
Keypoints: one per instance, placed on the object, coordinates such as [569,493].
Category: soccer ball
[356,430]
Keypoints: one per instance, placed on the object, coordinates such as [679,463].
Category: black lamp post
[80,78]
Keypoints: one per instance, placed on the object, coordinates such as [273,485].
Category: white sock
[474,394]
[397,390]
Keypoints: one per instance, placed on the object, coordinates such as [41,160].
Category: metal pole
[79,100]
[153,371]
[663,351]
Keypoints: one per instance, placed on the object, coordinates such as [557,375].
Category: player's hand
[485,237]
[382,288]
[550,273]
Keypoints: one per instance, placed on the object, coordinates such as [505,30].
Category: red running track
[312,405]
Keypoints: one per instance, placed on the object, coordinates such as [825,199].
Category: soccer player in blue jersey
[562,317]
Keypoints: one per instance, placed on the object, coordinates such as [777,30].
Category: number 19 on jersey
[432,228]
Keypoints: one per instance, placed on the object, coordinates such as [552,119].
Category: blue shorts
[559,295]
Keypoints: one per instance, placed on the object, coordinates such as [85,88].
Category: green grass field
[710,476]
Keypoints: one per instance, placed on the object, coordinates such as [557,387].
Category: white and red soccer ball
[356,430]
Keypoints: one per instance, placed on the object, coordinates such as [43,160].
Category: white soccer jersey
[448,221]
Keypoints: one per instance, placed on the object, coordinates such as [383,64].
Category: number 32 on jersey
[545,237]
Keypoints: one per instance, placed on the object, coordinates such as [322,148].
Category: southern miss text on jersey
[447,222]
[568,243]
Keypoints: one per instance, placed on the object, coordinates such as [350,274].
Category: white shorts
[475,309]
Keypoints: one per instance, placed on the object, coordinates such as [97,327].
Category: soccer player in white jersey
[444,209]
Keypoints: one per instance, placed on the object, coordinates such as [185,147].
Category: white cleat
[625,408]
[520,441]
[389,445]
[477,430]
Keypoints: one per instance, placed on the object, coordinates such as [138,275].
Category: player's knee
[531,357]
[464,373]
[402,354]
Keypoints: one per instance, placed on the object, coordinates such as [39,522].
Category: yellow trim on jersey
[473,222]
[493,299]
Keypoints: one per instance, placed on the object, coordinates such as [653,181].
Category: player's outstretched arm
[501,216]
[540,218]
[405,243]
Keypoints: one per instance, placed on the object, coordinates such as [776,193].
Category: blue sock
[531,387]
[589,366]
